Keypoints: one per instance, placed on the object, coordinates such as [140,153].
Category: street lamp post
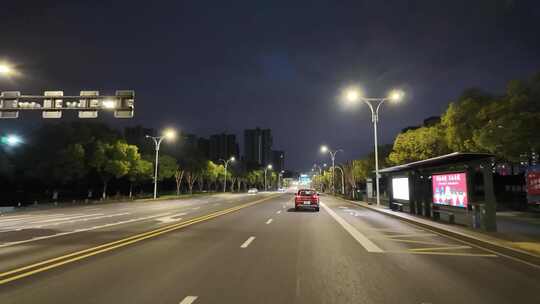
[342,179]
[374,105]
[332,154]
[168,134]
[226,163]
[265,170]
[320,175]
[280,178]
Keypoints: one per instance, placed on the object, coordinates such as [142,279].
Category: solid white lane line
[69,218]
[78,230]
[278,212]
[357,235]
[188,300]
[269,221]
[19,228]
[247,242]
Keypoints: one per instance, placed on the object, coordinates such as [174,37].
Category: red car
[306,198]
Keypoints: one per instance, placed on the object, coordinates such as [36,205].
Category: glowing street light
[324,149]
[109,103]
[374,104]
[269,167]
[11,140]
[6,69]
[168,134]
[226,163]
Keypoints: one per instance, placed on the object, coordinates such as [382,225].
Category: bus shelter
[456,187]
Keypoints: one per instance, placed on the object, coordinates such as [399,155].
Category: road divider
[38,267]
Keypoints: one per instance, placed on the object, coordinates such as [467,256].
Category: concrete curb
[500,249]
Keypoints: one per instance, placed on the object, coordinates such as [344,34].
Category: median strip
[35,268]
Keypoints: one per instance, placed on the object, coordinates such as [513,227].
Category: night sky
[212,66]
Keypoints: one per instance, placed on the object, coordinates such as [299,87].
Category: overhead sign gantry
[53,103]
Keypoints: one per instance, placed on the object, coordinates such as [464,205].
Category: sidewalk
[518,234]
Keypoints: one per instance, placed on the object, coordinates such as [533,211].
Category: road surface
[265,252]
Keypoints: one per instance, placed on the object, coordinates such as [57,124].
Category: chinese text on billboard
[450,189]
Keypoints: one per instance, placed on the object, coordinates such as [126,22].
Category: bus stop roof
[448,159]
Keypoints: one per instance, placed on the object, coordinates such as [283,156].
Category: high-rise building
[203,145]
[137,136]
[258,146]
[190,142]
[223,146]
[278,160]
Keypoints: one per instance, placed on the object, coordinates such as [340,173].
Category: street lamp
[168,134]
[226,163]
[280,177]
[320,174]
[265,170]
[342,179]
[374,104]
[11,140]
[324,149]
[6,69]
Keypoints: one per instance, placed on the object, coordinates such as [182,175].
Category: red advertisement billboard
[533,182]
[450,189]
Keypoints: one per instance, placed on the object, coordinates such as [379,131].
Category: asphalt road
[268,253]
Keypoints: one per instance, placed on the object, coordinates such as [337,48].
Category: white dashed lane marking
[247,242]
[188,300]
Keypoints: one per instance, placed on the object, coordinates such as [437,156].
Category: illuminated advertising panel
[400,188]
[450,189]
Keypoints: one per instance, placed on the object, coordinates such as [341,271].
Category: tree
[419,144]
[110,160]
[178,176]
[191,177]
[167,167]
[139,171]
[210,172]
[510,124]
[69,164]
[460,120]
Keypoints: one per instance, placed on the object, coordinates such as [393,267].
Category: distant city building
[258,146]
[203,145]
[278,160]
[223,146]
[190,141]
[137,136]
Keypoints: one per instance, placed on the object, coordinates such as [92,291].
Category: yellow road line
[78,255]
[410,235]
[441,248]
[411,241]
[482,255]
